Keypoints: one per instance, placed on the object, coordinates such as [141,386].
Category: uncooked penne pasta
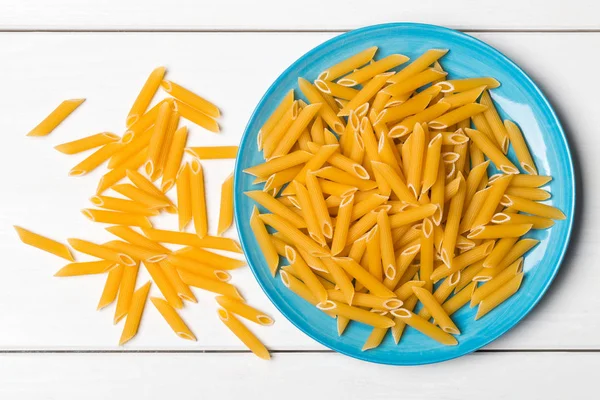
[111,287]
[430,113]
[457,115]
[499,231]
[100,251]
[244,310]
[493,118]
[197,117]
[134,314]
[95,159]
[462,85]
[173,319]
[414,82]
[453,223]
[462,98]
[188,97]
[495,283]
[368,91]
[531,181]
[425,327]
[184,196]
[173,160]
[532,207]
[123,205]
[152,166]
[141,196]
[494,197]
[342,225]
[356,314]
[126,291]
[364,277]
[418,65]
[493,152]
[116,218]
[44,243]
[226,210]
[214,152]
[57,116]
[87,143]
[190,239]
[369,71]
[198,198]
[349,64]
[406,109]
[326,112]
[512,218]
[436,310]
[243,333]
[520,147]
[141,103]
[86,268]
[499,296]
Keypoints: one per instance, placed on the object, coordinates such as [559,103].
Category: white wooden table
[53,345]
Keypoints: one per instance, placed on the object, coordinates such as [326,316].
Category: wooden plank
[229,376]
[41,312]
[311,15]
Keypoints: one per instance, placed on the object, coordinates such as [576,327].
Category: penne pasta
[85,268]
[354,269]
[418,65]
[425,327]
[368,91]
[126,291]
[531,181]
[356,314]
[414,82]
[495,195]
[126,206]
[430,113]
[152,165]
[144,98]
[349,64]
[100,251]
[512,218]
[197,117]
[173,319]
[274,118]
[111,287]
[499,231]
[198,198]
[116,218]
[306,274]
[371,70]
[492,152]
[436,310]
[345,178]
[188,97]
[532,207]
[520,147]
[326,112]
[459,114]
[87,143]
[494,121]
[344,217]
[173,159]
[499,296]
[462,85]
[226,210]
[405,109]
[134,316]
[184,196]
[190,239]
[495,283]
[244,334]
[95,159]
[292,135]
[44,243]
[244,310]
[183,290]
[55,118]
[214,152]
[462,98]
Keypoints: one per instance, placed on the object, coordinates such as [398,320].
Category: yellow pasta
[85,268]
[395,181]
[117,218]
[134,315]
[356,314]
[173,319]
[430,113]
[499,296]
[190,239]
[436,310]
[152,166]
[306,274]
[173,159]
[459,262]
[342,225]
[111,287]
[271,141]
[412,214]
[499,231]
[369,71]
[226,211]
[126,206]
[494,197]
[274,118]
[129,235]
[244,310]
[215,152]
[529,193]
[184,196]
[56,117]
[141,196]
[210,285]
[183,290]
[453,223]
[164,284]
[100,251]
[337,175]
[425,327]
[493,119]
[271,204]
[457,115]
[388,259]
[406,109]
[364,277]
[131,149]
[126,291]
[463,85]
[186,96]
[495,283]
[44,243]
[531,181]
[520,147]
[326,112]
[427,254]
[462,98]
[336,90]
[418,65]
[532,207]
[210,259]
[432,160]
[512,218]
[243,334]
[198,198]
[349,64]
[414,82]
[520,248]
[473,209]
[414,174]
[145,96]
[490,150]
[197,117]
[95,159]
[87,143]
[368,91]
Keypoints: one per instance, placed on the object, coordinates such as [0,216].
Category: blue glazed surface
[518,98]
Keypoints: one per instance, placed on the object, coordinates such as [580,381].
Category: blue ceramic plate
[518,99]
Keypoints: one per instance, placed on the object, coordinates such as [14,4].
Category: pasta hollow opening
[265,320]
[222,275]
[326,305]
[392,304]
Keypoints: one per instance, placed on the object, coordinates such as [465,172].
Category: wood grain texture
[310,15]
[41,312]
[533,376]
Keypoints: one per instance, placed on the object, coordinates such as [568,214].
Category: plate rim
[363,356]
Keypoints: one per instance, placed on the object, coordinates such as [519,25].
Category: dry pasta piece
[460,299]
[168,140]
[279,164]
[131,236]
[278,132]
[190,239]
[197,117]
[495,283]
[188,97]
[474,208]
[531,181]
[184,196]
[183,290]
[418,65]
[335,89]
[342,225]
[326,112]
[414,82]
[264,241]
[395,181]
[213,152]
[57,116]
[432,160]
[406,109]
[474,178]
[368,91]
[210,285]
[529,193]
[499,231]
[137,252]
[244,310]
[493,119]
[349,64]
[412,214]
[210,258]
[152,165]
[226,210]
[369,71]
[364,277]
[126,290]
[271,204]
[95,159]
[111,287]
[117,218]
[164,284]
[457,115]
[293,234]
[532,207]
[494,198]
[126,206]
[318,205]
[144,184]
[388,258]
[141,196]
[85,268]
[512,218]
[430,113]
[313,226]
[274,118]
[243,334]
[356,314]
[203,270]
[462,85]
[520,248]
[87,143]
[44,243]
[173,160]
[427,254]
[424,327]
[366,300]
[499,296]
[198,198]
[459,262]
[292,135]
[173,319]
[337,175]
[306,274]
[100,251]
[436,310]
[453,223]
[374,339]
[520,147]
[134,316]
[490,150]
[462,98]
[145,96]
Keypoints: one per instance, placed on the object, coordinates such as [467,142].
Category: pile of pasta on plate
[392,197]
